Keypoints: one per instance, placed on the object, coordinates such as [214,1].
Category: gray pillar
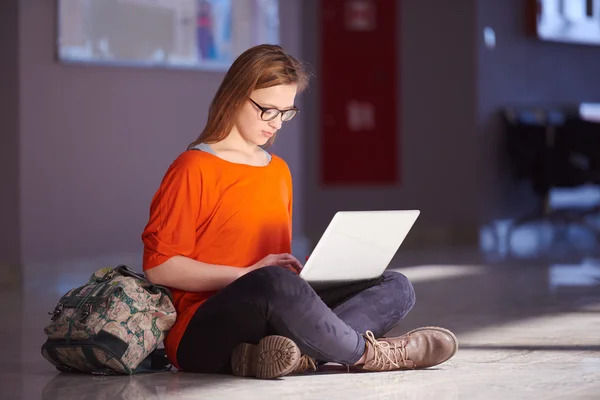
[10,249]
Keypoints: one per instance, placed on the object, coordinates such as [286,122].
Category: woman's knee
[401,287]
[277,282]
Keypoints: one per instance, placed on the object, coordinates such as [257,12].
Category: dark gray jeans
[274,301]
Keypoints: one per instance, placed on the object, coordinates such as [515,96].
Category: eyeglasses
[269,114]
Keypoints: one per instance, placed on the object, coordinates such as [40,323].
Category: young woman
[219,235]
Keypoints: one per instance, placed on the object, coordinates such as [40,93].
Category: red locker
[359,107]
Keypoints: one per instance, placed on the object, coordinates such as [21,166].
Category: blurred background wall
[84,148]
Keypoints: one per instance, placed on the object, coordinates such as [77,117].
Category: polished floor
[528,329]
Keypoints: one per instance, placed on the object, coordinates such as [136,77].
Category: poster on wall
[203,34]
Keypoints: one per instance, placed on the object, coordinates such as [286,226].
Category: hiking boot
[306,364]
[272,357]
[419,348]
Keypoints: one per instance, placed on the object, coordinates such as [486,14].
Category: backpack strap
[125,270]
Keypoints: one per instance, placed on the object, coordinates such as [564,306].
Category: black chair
[553,148]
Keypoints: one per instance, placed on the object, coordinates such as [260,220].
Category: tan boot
[306,364]
[419,348]
[272,357]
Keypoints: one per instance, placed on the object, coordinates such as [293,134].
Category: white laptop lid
[358,245]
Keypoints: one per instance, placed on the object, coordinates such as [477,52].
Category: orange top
[217,212]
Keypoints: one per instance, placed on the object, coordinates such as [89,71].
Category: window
[204,34]
[575,21]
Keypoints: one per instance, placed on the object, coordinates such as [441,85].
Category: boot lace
[306,364]
[388,355]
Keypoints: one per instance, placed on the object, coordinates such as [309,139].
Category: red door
[359,108]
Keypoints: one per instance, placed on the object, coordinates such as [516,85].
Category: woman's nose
[275,123]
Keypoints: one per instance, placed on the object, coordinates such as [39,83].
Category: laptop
[357,246]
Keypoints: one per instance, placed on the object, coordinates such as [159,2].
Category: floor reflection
[585,274]
[527,329]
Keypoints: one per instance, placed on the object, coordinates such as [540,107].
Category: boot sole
[443,330]
[273,357]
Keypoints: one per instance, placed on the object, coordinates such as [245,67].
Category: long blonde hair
[259,67]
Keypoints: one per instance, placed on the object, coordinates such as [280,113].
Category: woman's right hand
[284,260]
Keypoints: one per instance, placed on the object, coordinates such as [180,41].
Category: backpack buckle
[57,311]
[86,313]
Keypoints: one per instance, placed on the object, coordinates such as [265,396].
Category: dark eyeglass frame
[264,110]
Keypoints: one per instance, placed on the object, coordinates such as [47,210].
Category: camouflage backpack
[111,325]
